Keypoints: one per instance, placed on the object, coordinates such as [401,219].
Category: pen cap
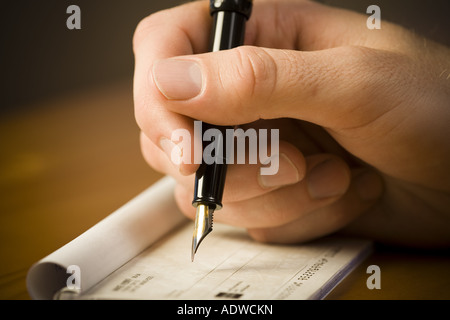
[243,7]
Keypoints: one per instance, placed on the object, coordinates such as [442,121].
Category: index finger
[180,31]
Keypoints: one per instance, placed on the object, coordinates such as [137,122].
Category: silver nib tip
[202,227]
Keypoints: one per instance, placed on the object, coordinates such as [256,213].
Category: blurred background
[69,143]
[41,58]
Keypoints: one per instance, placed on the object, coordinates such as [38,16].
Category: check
[142,251]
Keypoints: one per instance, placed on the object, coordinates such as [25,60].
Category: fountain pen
[228,30]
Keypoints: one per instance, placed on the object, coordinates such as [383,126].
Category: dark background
[40,58]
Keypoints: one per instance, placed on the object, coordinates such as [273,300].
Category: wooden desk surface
[68,163]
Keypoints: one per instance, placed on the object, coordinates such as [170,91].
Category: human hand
[363,118]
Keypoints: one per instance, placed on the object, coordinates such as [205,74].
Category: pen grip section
[210,177]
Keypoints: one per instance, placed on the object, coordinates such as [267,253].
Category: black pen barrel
[227,32]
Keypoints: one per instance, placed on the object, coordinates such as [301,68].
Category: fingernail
[172,151]
[327,179]
[287,174]
[178,79]
[369,186]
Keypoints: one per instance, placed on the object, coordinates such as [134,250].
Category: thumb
[334,88]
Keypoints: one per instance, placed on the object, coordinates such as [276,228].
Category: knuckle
[146,25]
[140,31]
[256,71]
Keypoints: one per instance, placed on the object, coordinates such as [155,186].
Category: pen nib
[203,226]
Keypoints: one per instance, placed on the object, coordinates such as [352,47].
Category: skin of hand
[363,116]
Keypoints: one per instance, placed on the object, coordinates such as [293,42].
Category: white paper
[230,265]
[110,243]
[143,251]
